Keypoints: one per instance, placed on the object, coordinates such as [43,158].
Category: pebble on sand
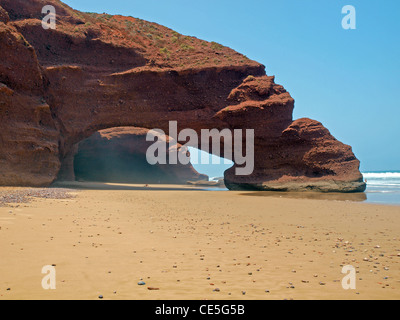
[24,195]
[141,283]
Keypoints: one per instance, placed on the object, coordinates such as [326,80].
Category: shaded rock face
[29,138]
[59,87]
[4,16]
[119,155]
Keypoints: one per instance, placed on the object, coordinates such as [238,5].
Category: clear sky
[347,79]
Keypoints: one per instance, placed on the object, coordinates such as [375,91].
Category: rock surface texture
[97,71]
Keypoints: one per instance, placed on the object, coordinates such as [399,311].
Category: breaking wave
[383,187]
[382,175]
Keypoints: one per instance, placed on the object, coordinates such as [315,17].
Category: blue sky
[347,79]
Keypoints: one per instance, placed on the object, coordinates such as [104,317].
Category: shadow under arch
[119,155]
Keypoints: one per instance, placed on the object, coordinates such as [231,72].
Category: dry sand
[187,243]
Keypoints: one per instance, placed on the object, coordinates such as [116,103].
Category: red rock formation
[29,139]
[4,16]
[306,157]
[100,71]
[119,155]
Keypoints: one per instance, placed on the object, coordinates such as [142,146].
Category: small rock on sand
[23,195]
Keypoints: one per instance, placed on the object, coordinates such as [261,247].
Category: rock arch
[58,87]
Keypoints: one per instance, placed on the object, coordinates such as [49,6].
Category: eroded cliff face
[29,139]
[95,72]
[306,157]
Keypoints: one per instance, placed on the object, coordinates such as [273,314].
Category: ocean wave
[380,191]
[381,175]
[383,185]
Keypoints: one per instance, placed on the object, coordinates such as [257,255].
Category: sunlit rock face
[59,87]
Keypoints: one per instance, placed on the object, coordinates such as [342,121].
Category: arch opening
[209,164]
[118,155]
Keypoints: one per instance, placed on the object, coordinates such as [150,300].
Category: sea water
[383,187]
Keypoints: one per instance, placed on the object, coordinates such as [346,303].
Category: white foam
[382,175]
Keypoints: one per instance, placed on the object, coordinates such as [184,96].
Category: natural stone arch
[85,76]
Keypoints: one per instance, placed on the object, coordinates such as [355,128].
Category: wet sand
[196,244]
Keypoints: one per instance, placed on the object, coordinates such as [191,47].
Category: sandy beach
[196,244]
